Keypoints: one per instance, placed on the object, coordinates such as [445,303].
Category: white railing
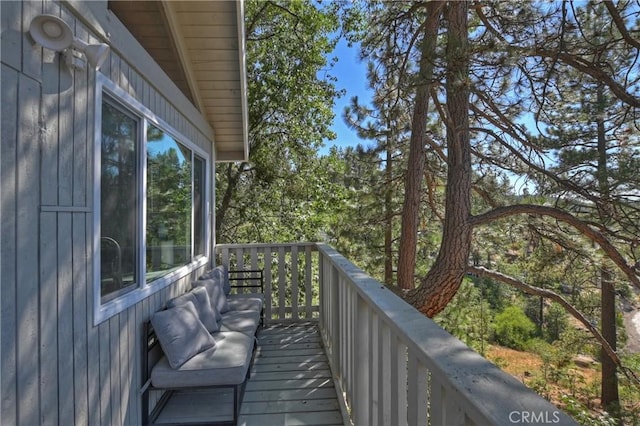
[394,366]
[290,276]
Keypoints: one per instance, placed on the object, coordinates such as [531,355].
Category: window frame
[142,289]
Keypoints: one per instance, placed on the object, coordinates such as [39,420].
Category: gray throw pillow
[200,299]
[181,334]
[216,294]
[222,273]
[207,275]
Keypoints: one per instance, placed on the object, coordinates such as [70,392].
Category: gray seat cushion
[226,364]
[246,302]
[246,322]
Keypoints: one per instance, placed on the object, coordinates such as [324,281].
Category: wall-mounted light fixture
[53,33]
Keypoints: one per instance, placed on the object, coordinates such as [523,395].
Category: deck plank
[290,384]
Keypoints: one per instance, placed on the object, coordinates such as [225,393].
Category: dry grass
[516,363]
[581,383]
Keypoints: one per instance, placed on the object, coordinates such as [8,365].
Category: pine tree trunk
[609,396]
[415,166]
[444,278]
[388,211]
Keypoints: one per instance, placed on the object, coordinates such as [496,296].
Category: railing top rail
[482,389]
[220,247]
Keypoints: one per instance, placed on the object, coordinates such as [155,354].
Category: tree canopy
[505,145]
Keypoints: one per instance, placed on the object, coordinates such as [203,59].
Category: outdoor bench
[205,338]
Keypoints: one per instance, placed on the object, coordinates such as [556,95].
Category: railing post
[224,256]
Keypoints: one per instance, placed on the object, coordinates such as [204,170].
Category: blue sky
[352,77]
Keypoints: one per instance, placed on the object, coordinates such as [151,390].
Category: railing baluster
[254,258]
[436,402]
[344,336]
[388,389]
[417,392]
[282,279]
[374,349]
[308,290]
[268,261]
[239,258]
[399,382]
[334,315]
[294,283]
[361,338]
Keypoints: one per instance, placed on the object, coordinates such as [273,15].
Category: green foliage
[579,341]
[468,317]
[630,391]
[550,318]
[283,192]
[583,415]
[513,328]
[555,322]
[554,356]
[493,292]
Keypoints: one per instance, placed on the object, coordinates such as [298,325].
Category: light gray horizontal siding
[57,368]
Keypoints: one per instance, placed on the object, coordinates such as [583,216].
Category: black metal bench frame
[151,345]
[256,275]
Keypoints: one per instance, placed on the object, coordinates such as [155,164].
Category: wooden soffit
[200,46]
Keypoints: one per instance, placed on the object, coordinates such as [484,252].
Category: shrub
[513,328]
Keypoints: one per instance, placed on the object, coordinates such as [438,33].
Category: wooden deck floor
[290,384]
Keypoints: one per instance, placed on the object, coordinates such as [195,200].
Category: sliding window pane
[199,214]
[168,233]
[118,198]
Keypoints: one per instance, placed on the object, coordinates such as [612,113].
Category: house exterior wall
[57,366]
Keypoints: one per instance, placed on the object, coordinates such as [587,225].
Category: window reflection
[118,198]
[199,218]
[168,233]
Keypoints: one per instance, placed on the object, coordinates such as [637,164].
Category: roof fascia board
[243,77]
[183,53]
[230,156]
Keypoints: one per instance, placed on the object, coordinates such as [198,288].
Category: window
[152,211]
[119,181]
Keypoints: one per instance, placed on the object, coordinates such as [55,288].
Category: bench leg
[145,408]
[236,404]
